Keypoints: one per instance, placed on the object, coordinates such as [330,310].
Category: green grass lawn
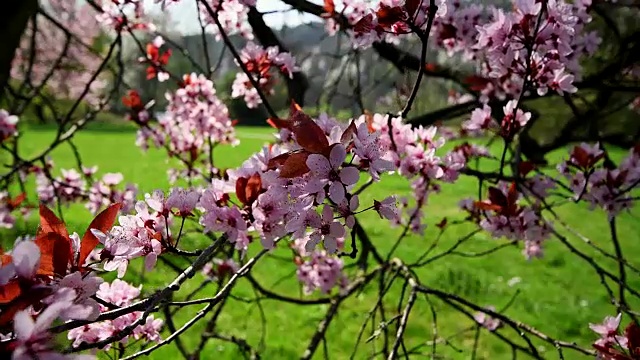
[559,294]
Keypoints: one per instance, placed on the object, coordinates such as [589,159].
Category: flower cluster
[195,120]
[414,154]
[314,166]
[46,277]
[486,321]
[73,186]
[123,14]
[232,15]
[219,269]
[156,59]
[503,216]
[145,234]
[120,294]
[259,61]
[540,43]
[614,344]
[390,19]
[7,206]
[7,125]
[607,188]
[513,121]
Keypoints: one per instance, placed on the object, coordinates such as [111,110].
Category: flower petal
[319,165]
[337,156]
[26,258]
[349,175]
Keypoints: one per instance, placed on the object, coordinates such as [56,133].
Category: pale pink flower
[329,170]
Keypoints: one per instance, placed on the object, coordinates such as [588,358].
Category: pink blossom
[7,125]
[321,272]
[25,260]
[329,232]
[487,321]
[184,200]
[328,170]
[81,305]
[33,339]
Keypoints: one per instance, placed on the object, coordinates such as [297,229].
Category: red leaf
[33,296]
[496,197]
[329,7]
[412,6]
[364,25]
[633,337]
[308,134]
[55,253]
[512,198]
[103,222]
[279,123]
[430,67]
[295,165]
[249,189]
[254,187]
[368,118]
[581,156]
[348,133]
[476,83]
[8,313]
[525,167]
[49,222]
[278,161]
[442,223]
[241,186]
[387,15]
[9,292]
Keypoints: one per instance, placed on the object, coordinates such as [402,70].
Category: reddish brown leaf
[254,187]
[308,134]
[33,296]
[364,25]
[368,118]
[9,292]
[49,222]
[482,205]
[295,165]
[525,167]
[6,317]
[294,108]
[442,224]
[476,83]
[103,222]
[15,202]
[348,133]
[387,15]
[241,185]
[412,6]
[580,156]
[248,189]
[278,161]
[55,254]
[4,258]
[496,197]
[512,198]
[633,337]
[430,67]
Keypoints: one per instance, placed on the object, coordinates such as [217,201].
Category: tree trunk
[13,21]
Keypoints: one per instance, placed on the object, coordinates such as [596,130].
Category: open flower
[328,171]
